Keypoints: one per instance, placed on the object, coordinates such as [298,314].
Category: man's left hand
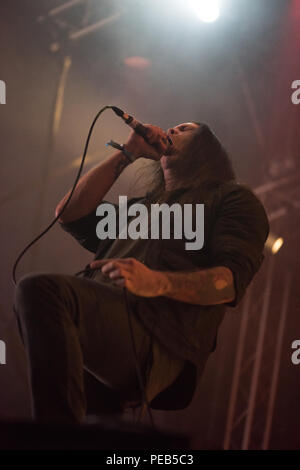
[132,274]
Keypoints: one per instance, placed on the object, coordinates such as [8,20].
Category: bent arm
[92,188]
[203,287]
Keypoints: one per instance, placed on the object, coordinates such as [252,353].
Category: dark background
[235,74]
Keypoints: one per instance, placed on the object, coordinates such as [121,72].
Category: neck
[171,182]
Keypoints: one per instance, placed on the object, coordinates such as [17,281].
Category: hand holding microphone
[154,146]
[145,141]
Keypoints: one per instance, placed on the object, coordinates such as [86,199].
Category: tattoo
[203,287]
[224,284]
[121,164]
[221,279]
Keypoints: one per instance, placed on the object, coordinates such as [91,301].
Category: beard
[184,167]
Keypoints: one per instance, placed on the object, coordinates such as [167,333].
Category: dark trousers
[67,324]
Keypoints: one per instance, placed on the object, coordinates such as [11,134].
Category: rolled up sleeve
[84,229]
[238,237]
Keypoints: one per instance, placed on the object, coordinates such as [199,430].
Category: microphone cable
[67,201]
[20,256]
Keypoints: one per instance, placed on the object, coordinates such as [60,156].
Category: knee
[31,284]
[30,289]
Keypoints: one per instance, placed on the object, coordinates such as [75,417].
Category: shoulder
[239,194]
[235,188]
[239,202]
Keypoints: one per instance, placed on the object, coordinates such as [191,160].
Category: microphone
[138,127]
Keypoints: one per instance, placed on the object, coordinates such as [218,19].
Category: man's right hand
[93,186]
[157,147]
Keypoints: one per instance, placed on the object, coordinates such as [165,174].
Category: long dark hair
[212,168]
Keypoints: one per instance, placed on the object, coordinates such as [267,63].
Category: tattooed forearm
[206,287]
[120,165]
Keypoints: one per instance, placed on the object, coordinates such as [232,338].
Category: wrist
[130,153]
[163,283]
[123,151]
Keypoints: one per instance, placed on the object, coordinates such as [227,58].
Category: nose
[173,131]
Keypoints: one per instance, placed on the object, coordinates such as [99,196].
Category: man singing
[176,298]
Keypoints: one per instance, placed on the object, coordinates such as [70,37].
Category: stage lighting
[274,243]
[206,10]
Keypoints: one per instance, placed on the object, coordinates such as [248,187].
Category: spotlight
[137,62]
[274,243]
[206,10]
